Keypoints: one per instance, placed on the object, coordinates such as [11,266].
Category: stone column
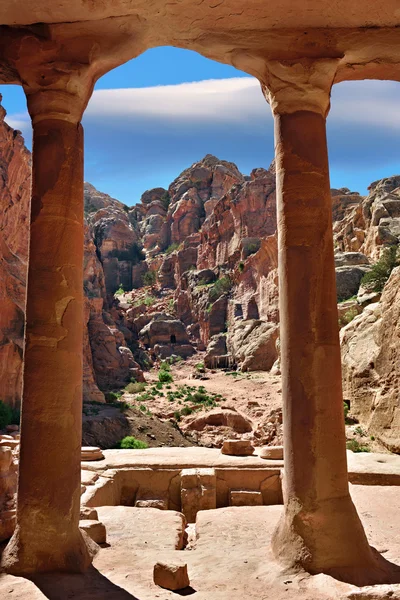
[320,529]
[47,537]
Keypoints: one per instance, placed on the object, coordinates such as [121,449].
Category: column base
[75,555]
[330,539]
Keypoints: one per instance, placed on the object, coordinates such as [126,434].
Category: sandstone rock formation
[15,175]
[371,366]
[202,256]
[108,362]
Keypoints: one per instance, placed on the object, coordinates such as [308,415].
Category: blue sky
[153,117]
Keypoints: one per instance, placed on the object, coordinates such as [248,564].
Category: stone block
[89,514]
[272,452]
[198,492]
[245,498]
[237,448]
[171,576]
[91,453]
[95,529]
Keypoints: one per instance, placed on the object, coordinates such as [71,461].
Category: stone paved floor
[231,559]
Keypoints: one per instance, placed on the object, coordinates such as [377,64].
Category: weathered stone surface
[198,492]
[159,331]
[348,279]
[171,576]
[371,375]
[221,417]
[217,352]
[271,452]
[95,530]
[15,182]
[91,453]
[237,448]
[245,498]
[252,344]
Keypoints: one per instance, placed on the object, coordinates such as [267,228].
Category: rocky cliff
[194,268]
[108,361]
[15,175]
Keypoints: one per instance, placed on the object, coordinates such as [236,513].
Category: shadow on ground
[89,586]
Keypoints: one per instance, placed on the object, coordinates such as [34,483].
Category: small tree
[376,278]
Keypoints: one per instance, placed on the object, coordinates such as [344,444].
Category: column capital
[63,100]
[300,85]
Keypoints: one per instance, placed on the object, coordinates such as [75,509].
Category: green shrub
[355,446]
[149,300]
[200,367]
[220,287]
[186,410]
[360,431]
[149,278]
[376,278]
[241,266]
[135,388]
[5,415]
[120,290]
[177,415]
[172,248]
[348,317]
[165,377]
[165,199]
[131,443]
[112,396]
[253,247]
[165,366]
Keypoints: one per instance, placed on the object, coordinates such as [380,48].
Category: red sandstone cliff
[203,254]
[15,169]
[108,362]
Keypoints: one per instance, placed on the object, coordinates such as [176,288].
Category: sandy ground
[257,396]
[254,395]
[230,559]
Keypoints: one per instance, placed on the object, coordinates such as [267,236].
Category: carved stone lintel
[299,85]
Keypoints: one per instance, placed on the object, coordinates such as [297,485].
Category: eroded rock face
[15,181]
[371,366]
[110,218]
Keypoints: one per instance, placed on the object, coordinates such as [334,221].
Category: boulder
[252,344]
[221,417]
[217,353]
[171,576]
[348,279]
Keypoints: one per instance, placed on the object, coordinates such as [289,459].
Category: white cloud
[228,100]
[237,100]
[137,138]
